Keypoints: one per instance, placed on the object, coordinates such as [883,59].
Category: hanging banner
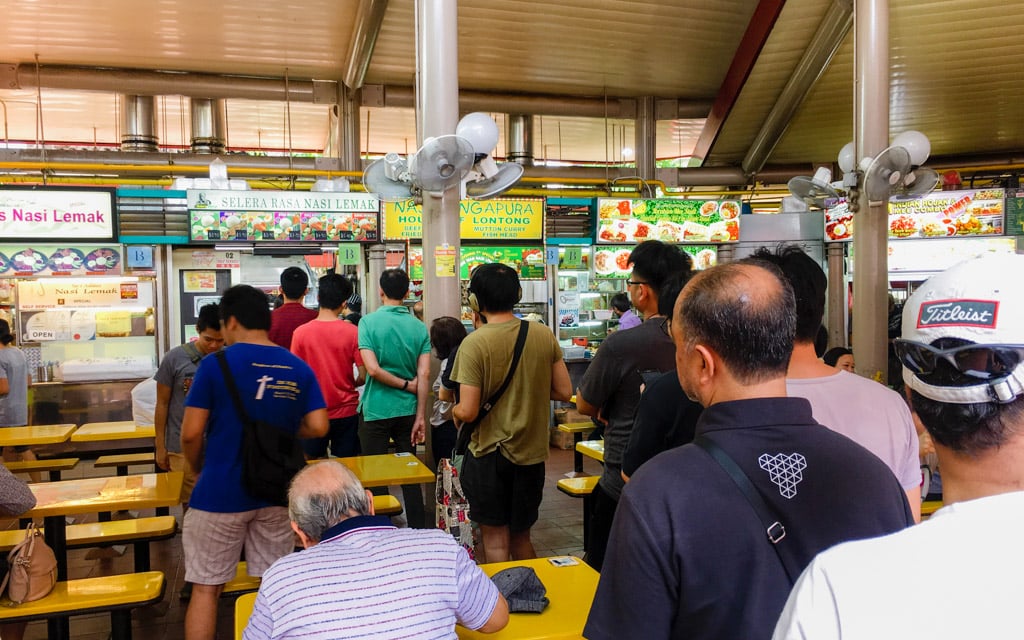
[257,216]
[498,219]
[668,220]
[72,214]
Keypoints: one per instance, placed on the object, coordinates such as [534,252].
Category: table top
[571,591]
[95,495]
[387,469]
[243,609]
[37,434]
[125,430]
[592,449]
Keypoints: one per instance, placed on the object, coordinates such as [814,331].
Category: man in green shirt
[395,347]
[503,473]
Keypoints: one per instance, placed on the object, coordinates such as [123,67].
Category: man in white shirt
[963,359]
[872,415]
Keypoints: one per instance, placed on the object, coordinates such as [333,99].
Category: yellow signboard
[500,219]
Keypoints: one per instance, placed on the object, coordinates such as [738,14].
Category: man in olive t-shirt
[503,474]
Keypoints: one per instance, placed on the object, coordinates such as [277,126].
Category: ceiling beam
[827,39]
[758,30]
[369,18]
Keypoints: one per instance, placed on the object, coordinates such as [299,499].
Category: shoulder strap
[193,352]
[772,525]
[517,351]
[229,381]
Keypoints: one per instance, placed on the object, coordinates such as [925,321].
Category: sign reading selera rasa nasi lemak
[282,215]
[54,212]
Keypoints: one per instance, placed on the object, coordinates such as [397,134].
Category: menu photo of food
[287,226]
[668,219]
[838,222]
[365,227]
[262,224]
[945,214]
[612,262]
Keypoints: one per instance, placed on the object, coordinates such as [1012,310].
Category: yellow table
[55,500]
[38,434]
[592,449]
[577,429]
[571,591]
[387,469]
[125,430]
[243,609]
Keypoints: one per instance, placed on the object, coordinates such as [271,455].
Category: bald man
[343,585]
[689,557]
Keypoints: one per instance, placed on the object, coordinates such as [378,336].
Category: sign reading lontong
[72,214]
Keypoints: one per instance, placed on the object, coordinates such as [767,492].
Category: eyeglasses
[983,361]
[633,282]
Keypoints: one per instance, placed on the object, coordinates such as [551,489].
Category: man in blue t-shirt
[223,519]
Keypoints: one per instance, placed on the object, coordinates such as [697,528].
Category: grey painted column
[378,262]
[871,133]
[437,114]
[645,133]
[835,316]
[726,253]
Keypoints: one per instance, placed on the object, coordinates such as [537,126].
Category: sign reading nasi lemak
[68,214]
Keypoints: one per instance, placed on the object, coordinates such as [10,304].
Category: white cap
[980,300]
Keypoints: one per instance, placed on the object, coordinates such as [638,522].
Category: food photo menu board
[613,262]
[667,219]
[258,216]
[50,260]
[527,261]
[940,214]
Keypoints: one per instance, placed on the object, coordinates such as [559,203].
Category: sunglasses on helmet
[981,361]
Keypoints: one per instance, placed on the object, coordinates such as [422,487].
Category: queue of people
[749,488]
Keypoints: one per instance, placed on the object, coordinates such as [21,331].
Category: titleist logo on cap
[958,313]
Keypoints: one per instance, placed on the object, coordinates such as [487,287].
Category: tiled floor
[559,532]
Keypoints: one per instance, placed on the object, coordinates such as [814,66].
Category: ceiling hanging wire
[288,115]
[227,128]
[181,121]
[117,120]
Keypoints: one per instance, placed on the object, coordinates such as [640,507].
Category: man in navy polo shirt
[688,555]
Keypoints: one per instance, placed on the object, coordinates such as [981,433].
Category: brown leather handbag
[32,568]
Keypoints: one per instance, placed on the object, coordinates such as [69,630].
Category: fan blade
[506,176]
[885,173]
[811,192]
[917,184]
[376,180]
[442,162]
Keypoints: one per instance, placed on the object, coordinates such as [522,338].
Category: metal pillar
[138,123]
[519,139]
[347,133]
[209,124]
[378,262]
[871,133]
[437,114]
[835,316]
[645,133]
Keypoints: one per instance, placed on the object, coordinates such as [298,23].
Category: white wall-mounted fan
[896,172]
[444,162]
[815,190]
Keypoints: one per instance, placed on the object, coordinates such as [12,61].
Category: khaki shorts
[213,542]
[179,463]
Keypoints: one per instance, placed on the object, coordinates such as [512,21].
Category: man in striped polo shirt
[359,576]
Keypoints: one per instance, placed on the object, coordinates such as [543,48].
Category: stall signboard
[944,214]
[940,214]
[573,257]
[1015,214]
[497,219]
[19,260]
[937,255]
[259,216]
[43,214]
[667,219]
[57,293]
[527,261]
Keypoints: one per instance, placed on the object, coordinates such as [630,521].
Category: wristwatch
[405,386]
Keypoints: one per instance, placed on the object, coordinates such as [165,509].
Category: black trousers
[600,526]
